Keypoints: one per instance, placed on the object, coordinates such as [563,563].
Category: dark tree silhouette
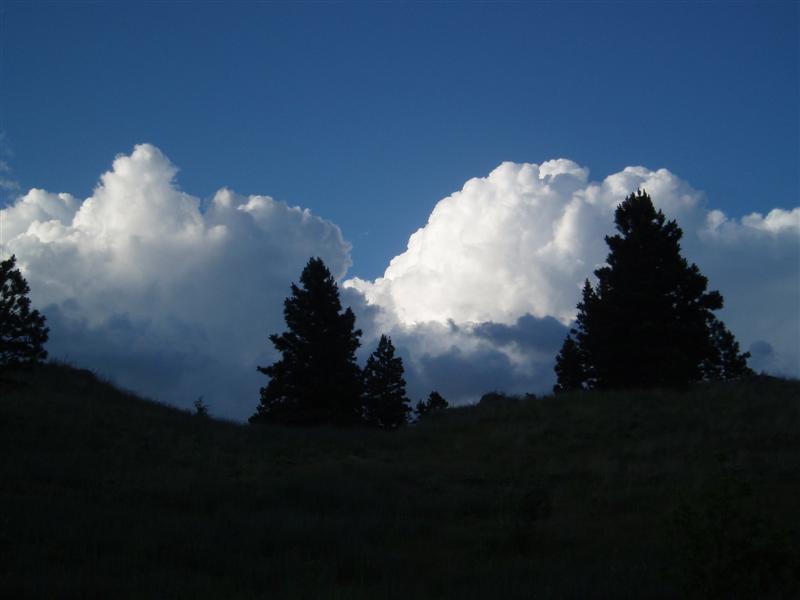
[22,330]
[200,408]
[385,402]
[435,404]
[317,379]
[726,361]
[421,409]
[649,321]
[570,368]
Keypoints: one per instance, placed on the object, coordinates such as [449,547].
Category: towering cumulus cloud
[512,249]
[140,284]
[174,300]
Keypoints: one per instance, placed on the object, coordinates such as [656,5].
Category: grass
[638,494]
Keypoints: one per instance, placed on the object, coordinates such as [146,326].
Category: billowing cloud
[462,361]
[522,240]
[174,302]
[518,241]
[755,263]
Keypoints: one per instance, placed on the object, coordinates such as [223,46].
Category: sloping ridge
[105,494]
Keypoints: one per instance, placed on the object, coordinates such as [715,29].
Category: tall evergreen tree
[317,379]
[22,331]
[649,320]
[385,402]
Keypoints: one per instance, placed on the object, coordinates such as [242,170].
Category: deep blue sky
[370,114]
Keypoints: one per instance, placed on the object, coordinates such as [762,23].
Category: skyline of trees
[647,322]
[317,379]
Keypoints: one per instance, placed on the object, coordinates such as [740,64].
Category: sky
[167,168]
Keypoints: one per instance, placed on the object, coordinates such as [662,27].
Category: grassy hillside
[656,494]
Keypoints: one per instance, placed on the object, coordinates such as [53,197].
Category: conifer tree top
[637,214]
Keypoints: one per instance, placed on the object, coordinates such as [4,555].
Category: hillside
[651,494]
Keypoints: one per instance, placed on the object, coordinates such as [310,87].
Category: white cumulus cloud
[169,300]
[522,240]
[174,297]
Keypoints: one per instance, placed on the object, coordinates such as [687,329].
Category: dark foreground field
[641,495]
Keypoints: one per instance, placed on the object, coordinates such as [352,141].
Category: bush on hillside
[433,405]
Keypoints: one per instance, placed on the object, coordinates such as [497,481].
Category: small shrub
[200,408]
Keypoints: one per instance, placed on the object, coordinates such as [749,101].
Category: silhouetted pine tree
[435,403]
[22,330]
[317,379]
[569,367]
[385,402]
[648,322]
